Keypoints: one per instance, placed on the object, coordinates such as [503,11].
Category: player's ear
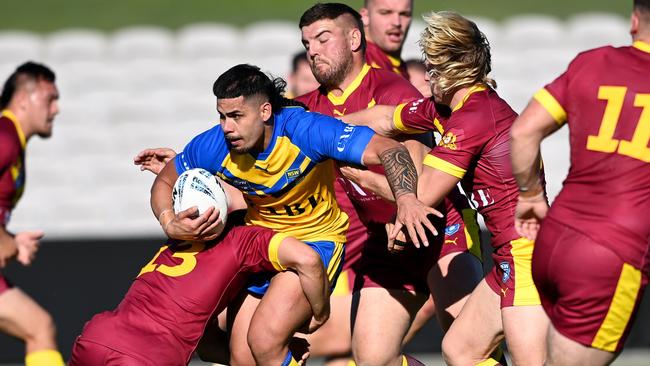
[634,22]
[355,39]
[266,111]
[364,16]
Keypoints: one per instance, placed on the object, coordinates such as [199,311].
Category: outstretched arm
[154,160]
[22,246]
[526,135]
[379,118]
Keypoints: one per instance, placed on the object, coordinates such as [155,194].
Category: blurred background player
[301,80]
[386,25]
[418,76]
[390,286]
[475,154]
[29,103]
[592,255]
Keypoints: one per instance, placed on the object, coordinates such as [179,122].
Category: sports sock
[45,357]
[408,360]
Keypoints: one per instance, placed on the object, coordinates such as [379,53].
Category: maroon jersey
[475,148]
[12,168]
[164,313]
[372,86]
[605,98]
[377,58]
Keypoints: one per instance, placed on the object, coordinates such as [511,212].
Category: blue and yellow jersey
[289,186]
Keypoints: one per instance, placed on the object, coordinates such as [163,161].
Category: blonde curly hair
[456,52]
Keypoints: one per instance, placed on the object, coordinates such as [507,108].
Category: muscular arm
[379,118]
[526,136]
[403,180]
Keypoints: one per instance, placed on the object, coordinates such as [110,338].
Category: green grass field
[47,16]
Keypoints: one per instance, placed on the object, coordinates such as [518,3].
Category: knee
[42,332]
[452,351]
[264,346]
[371,356]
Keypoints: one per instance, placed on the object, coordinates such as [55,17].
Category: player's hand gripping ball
[198,187]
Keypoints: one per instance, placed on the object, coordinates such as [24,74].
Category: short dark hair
[27,71]
[295,61]
[247,81]
[643,5]
[332,11]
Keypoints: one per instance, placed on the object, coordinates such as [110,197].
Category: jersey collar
[645,47]
[472,90]
[350,89]
[12,117]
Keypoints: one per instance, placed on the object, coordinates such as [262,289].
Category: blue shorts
[330,252]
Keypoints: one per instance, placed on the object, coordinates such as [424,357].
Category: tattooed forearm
[400,171]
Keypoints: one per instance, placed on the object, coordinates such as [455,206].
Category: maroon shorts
[588,292]
[88,353]
[4,284]
[462,234]
[511,277]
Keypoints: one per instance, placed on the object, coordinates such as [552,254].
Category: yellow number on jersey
[187,256]
[636,148]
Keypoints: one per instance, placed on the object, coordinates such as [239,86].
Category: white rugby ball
[198,187]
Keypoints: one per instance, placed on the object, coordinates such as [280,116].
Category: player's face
[329,50]
[42,106]
[303,80]
[418,77]
[431,77]
[242,120]
[387,22]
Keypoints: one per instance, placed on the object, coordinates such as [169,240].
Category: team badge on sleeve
[448,141]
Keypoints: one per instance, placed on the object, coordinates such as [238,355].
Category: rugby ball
[198,187]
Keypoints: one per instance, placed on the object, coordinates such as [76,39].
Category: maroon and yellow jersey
[164,313]
[475,148]
[604,96]
[372,86]
[378,59]
[12,168]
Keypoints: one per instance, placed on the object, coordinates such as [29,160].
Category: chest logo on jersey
[339,113]
[293,173]
[343,139]
[240,184]
[448,141]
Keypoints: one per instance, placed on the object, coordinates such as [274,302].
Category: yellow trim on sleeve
[640,45]
[12,117]
[274,251]
[548,101]
[339,100]
[620,310]
[399,124]
[445,166]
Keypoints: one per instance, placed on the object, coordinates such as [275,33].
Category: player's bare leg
[426,312]
[334,337]
[525,328]
[240,313]
[567,352]
[477,330]
[382,319]
[285,303]
[22,317]
[451,282]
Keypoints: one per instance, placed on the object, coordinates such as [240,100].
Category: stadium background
[135,74]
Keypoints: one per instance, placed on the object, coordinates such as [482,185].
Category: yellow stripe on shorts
[522,256]
[335,262]
[620,311]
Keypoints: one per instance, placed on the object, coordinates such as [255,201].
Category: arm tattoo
[400,171]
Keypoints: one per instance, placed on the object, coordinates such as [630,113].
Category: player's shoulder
[309,98]
[595,56]
[391,87]
[8,133]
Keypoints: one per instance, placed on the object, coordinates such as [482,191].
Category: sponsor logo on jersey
[414,105]
[505,267]
[293,173]
[343,139]
[451,230]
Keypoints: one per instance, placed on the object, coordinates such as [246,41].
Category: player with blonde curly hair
[474,150]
